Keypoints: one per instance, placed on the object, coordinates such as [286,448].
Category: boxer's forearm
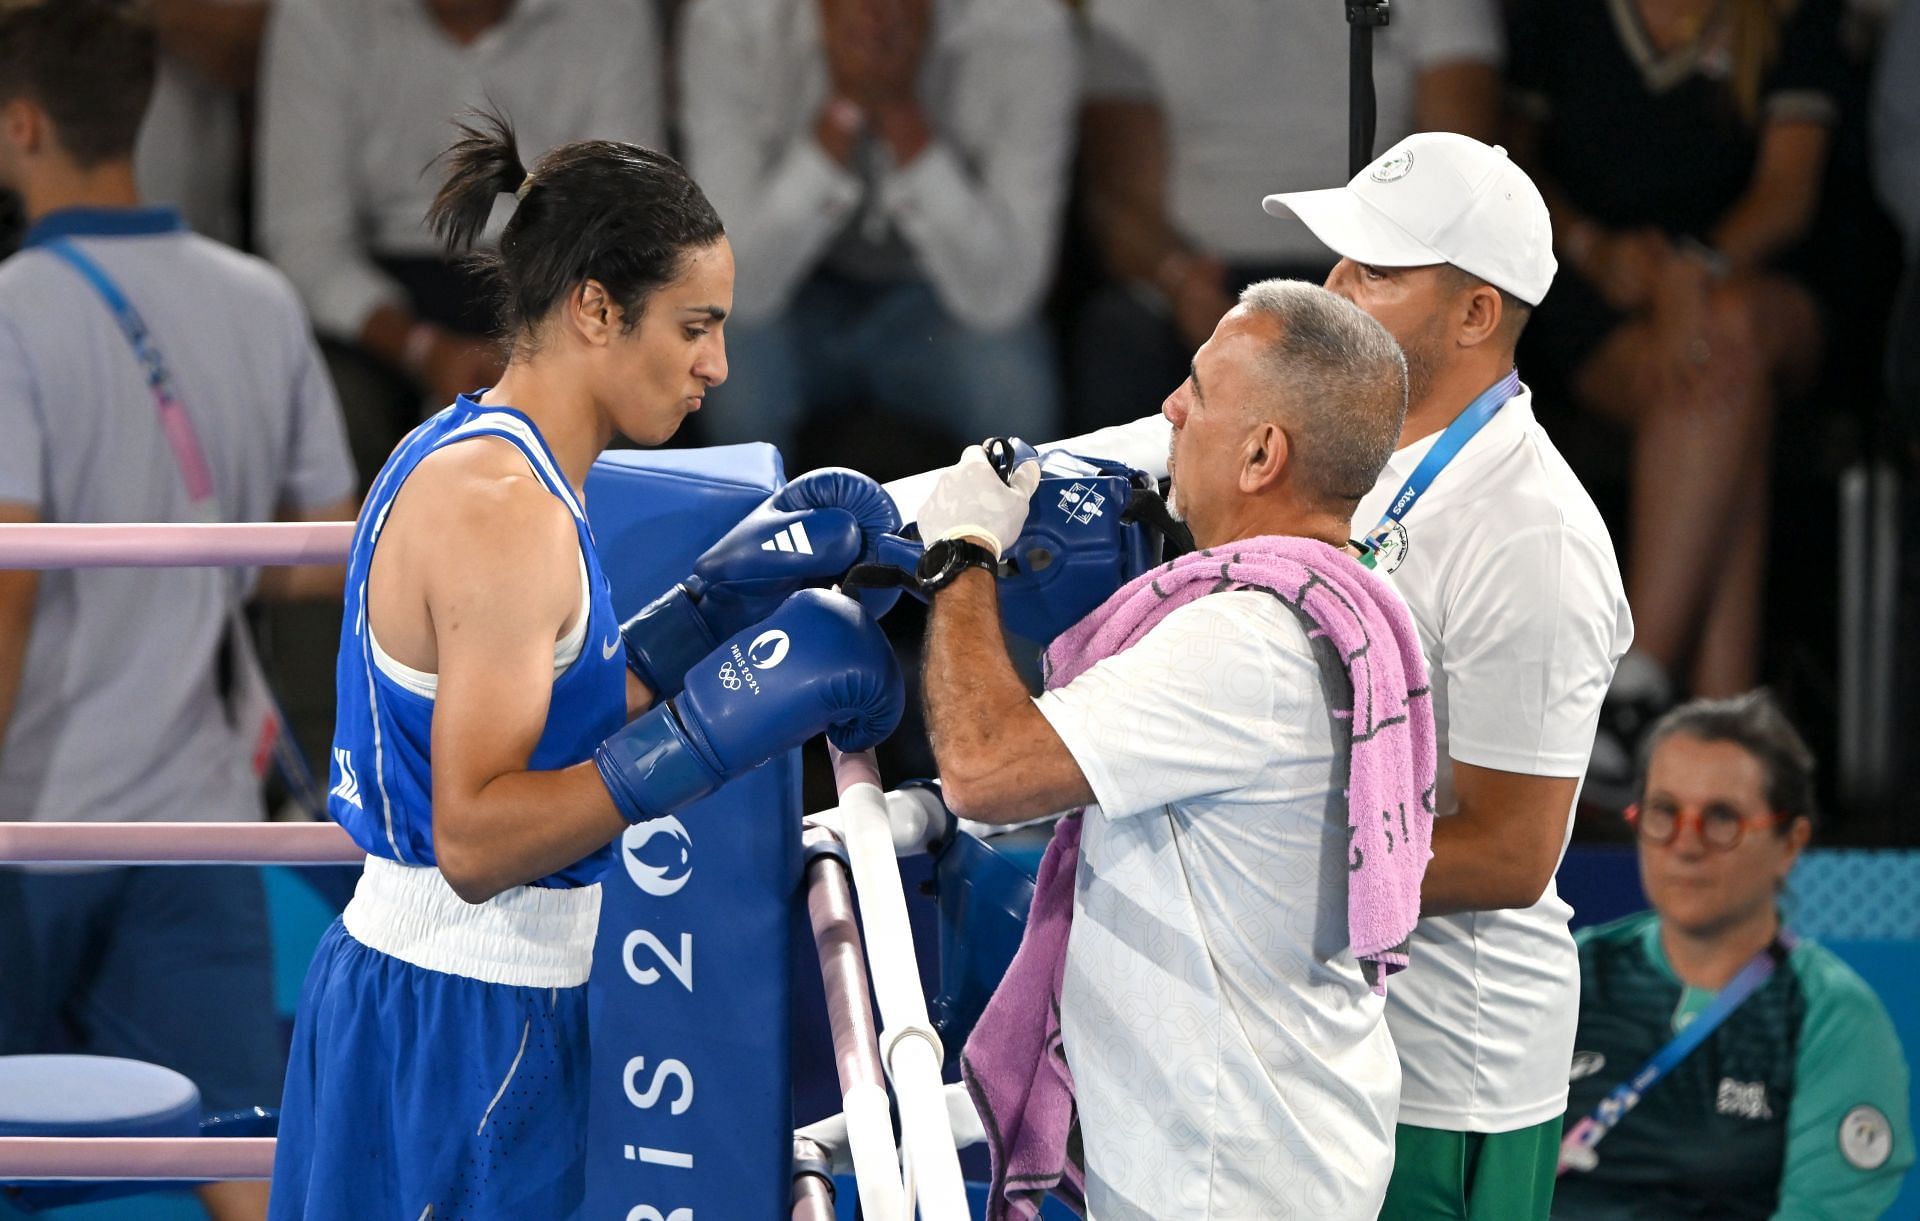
[999,759]
[519,827]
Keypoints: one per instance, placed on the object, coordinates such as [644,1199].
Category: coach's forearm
[1470,871]
[1500,848]
[1000,761]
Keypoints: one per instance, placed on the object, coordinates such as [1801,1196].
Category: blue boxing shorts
[439,1063]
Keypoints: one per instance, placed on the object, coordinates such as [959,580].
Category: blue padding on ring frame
[94,1096]
[690,999]
[985,887]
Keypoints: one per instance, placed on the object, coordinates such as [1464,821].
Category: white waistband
[528,937]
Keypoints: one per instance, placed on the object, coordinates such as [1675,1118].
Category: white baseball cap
[1437,197]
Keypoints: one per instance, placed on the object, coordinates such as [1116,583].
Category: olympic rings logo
[729,679]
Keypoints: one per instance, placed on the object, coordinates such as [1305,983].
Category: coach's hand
[816,664]
[808,533]
[970,500]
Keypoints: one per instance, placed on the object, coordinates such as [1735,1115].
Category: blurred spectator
[1194,112]
[357,98]
[891,173]
[1796,1103]
[1896,165]
[189,153]
[13,221]
[1896,125]
[112,698]
[1680,144]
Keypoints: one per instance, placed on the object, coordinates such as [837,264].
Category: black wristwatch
[943,561]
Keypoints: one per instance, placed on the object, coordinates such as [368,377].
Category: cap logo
[1393,168]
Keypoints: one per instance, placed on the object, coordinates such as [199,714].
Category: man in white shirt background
[1193,109]
[1512,580]
[892,175]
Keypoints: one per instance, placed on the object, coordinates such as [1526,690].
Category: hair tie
[526,184]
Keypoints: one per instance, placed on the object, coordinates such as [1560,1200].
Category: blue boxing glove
[816,664]
[808,533]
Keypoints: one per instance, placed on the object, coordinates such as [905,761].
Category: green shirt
[1796,1107]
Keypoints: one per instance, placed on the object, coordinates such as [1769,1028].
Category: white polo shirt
[1228,1058]
[1511,577]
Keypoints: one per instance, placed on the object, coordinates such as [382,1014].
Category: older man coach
[1228,1056]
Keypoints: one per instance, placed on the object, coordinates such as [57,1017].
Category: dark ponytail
[601,210]
[482,165]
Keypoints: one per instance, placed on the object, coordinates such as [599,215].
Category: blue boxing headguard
[1079,545]
[1092,526]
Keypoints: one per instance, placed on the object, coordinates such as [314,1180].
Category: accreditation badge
[1388,546]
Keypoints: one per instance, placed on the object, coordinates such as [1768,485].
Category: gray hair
[1340,386]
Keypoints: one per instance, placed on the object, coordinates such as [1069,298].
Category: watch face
[935,560]
[947,558]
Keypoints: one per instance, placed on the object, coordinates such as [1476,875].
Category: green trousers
[1472,1176]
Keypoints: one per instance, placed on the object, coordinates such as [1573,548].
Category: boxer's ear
[593,314]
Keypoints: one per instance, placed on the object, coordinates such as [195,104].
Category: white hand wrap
[970,501]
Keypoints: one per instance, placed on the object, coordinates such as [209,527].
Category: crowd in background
[956,218]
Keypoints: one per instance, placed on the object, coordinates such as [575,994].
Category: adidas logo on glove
[793,538]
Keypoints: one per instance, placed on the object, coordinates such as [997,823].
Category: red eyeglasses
[1720,826]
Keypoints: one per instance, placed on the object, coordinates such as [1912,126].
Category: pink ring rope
[163,545]
[178,843]
[173,544]
[136,1157]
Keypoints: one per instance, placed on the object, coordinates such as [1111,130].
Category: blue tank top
[380,782]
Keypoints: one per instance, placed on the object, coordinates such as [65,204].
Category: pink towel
[1014,1065]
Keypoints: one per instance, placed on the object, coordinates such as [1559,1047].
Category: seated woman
[1795,1104]
[1680,145]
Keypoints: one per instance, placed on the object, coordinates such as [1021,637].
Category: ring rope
[172,544]
[191,1158]
[178,843]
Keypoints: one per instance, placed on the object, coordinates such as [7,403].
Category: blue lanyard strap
[175,423]
[1463,429]
[1625,1096]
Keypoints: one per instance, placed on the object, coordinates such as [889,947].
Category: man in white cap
[1512,580]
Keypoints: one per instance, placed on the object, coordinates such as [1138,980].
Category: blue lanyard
[1463,429]
[175,423]
[1575,1150]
